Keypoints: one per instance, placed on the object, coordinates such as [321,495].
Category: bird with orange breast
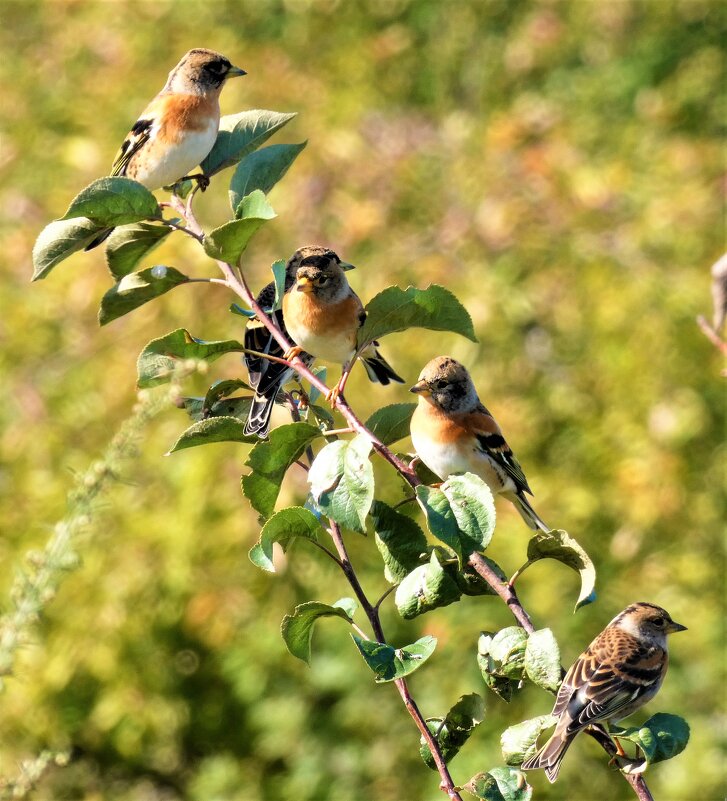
[177,130]
[453,433]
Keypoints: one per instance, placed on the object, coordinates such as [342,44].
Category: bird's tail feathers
[102,237]
[377,368]
[258,418]
[528,514]
[550,756]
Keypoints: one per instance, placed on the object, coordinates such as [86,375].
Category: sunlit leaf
[240,134]
[500,784]
[213,429]
[229,241]
[136,289]
[261,170]
[283,527]
[561,546]
[129,244]
[297,629]
[397,309]
[58,240]
[390,663]
[518,742]
[542,660]
[114,201]
[427,587]
[391,423]
[269,461]
[159,359]
[342,481]
[662,737]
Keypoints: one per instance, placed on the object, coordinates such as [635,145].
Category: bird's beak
[235,72]
[304,285]
[346,266]
[421,388]
[674,627]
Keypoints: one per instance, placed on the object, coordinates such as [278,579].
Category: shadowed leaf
[400,541]
[114,201]
[427,587]
[283,527]
[213,429]
[391,423]
[452,731]
[662,737]
[128,244]
[500,784]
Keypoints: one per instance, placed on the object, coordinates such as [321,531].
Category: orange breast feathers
[181,114]
[430,422]
[335,320]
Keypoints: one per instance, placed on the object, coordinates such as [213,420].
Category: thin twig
[712,335]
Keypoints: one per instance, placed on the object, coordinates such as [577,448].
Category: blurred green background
[558,166]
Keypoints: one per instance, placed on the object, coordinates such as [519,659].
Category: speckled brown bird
[619,672]
[177,130]
[453,433]
[323,315]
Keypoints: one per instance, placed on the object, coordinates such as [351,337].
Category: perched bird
[453,432]
[323,315]
[620,671]
[719,293]
[178,128]
[267,377]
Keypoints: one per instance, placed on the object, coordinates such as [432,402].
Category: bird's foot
[291,353]
[202,180]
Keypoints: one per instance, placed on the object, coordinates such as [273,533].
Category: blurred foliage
[557,165]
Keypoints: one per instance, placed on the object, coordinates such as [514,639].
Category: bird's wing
[137,137]
[493,444]
[604,680]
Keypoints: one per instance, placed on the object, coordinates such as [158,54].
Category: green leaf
[400,541]
[501,659]
[560,545]
[229,241]
[213,429]
[397,309]
[159,359]
[662,737]
[114,201]
[391,423]
[261,170]
[270,459]
[518,743]
[461,513]
[452,731]
[128,244]
[198,408]
[342,481]
[500,784]
[542,660]
[220,390]
[324,419]
[297,629]
[136,289]
[58,240]
[240,134]
[427,587]
[283,527]
[390,663]
[278,269]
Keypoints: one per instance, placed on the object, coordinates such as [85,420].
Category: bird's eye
[322,280]
[441,384]
[658,621]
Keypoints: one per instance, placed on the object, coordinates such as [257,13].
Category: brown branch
[504,590]
[372,613]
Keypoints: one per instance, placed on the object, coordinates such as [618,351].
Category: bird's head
[319,271]
[650,624]
[201,71]
[446,384]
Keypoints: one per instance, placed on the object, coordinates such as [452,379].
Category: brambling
[619,672]
[453,432]
[323,315]
[178,128]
